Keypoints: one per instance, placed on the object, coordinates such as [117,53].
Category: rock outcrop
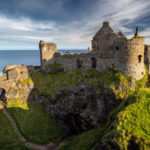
[79,109]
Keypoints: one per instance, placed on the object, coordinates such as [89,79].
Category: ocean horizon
[27,57]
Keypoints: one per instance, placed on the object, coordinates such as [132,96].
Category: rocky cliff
[107,110]
[81,108]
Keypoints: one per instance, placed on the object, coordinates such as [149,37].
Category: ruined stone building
[108,49]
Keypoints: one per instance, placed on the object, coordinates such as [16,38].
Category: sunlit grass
[17,103]
[36,125]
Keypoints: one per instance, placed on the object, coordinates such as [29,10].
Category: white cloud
[76,34]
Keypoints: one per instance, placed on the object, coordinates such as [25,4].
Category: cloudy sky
[69,23]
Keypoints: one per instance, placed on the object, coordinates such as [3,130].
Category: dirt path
[51,146]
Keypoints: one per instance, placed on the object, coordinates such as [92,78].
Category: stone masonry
[108,49]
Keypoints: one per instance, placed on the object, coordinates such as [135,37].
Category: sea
[26,57]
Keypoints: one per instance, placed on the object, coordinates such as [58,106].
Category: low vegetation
[35,124]
[49,84]
[85,140]
[128,126]
[9,139]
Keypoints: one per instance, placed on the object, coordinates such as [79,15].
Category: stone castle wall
[71,62]
[108,49]
[18,72]
[147,56]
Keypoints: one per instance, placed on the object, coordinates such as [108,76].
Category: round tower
[130,56]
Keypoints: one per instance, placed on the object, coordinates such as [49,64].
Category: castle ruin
[108,49]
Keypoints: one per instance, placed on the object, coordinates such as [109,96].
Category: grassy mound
[49,84]
[131,128]
[85,140]
[8,138]
[36,125]
[128,126]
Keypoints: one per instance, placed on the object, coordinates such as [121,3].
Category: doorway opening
[79,63]
[94,62]
[2,95]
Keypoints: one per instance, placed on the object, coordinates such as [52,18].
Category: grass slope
[8,138]
[36,125]
[85,140]
[128,125]
[49,84]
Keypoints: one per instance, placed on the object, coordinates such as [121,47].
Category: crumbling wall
[71,62]
[18,72]
[147,56]
[47,50]
[103,41]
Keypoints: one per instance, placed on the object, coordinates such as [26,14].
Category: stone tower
[47,50]
[130,55]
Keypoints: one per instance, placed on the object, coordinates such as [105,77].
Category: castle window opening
[94,62]
[79,63]
[21,72]
[140,58]
[2,95]
[117,48]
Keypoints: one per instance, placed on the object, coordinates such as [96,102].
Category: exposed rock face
[79,109]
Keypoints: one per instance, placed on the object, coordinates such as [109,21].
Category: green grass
[132,123]
[128,123]
[36,125]
[8,138]
[85,140]
[26,82]
[48,84]
[17,103]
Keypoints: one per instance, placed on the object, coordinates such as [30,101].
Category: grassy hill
[36,125]
[128,126]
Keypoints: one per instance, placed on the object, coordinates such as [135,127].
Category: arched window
[140,58]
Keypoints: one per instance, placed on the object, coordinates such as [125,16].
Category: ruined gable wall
[103,41]
[130,57]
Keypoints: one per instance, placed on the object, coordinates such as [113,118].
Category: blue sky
[69,23]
